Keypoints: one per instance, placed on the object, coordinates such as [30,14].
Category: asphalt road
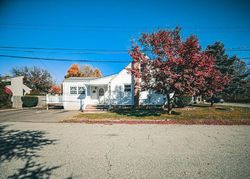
[64,150]
[36,115]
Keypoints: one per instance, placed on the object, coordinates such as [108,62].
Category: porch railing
[54,99]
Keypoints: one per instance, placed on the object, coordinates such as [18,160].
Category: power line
[122,28]
[70,60]
[66,60]
[69,52]
[45,48]
[87,50]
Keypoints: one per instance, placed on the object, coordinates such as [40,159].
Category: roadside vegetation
[38,79]
[195,114]
[170,65]
[5,98]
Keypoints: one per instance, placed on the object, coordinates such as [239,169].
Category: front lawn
[198,114]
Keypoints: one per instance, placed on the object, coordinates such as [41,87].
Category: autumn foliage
[97,73]
[55,90]
[73,71]
[173,67]
[84,71]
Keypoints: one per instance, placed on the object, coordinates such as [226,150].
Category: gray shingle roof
[79,79]
[87,79]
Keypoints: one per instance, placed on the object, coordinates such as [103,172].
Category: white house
[117,89]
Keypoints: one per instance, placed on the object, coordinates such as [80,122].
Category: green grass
[200,113]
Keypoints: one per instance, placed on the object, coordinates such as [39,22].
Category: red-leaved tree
[173,67]
[55,90]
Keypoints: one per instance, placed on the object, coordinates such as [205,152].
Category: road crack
[151,139]
[108,159]
[130,143]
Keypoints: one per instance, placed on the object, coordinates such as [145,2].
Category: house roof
[91,80]
[102,81]
[78,79]
[9,78]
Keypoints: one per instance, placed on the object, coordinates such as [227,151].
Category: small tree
[55,90]
[5,97]
[173,67]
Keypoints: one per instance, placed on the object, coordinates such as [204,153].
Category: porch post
[132,88]
[47,101]
[86,95]
[109,90]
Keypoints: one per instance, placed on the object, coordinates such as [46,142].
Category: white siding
[151,98]
[118,96]
[114,92]
[74,101]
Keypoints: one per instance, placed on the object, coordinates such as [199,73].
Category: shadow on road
[16,144]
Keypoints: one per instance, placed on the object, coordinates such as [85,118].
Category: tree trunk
[195,99]
[212,101]
[136,99]
[169,104]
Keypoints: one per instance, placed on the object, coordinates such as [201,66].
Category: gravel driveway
[64,150]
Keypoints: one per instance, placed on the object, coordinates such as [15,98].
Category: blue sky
[111,25]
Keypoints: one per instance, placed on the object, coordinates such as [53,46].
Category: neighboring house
[117,89]
[16,86]
[17,89]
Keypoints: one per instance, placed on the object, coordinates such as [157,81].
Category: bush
[29,101]
[182,101]
[5,99]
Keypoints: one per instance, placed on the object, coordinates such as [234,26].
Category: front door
[94,92]
[100,92]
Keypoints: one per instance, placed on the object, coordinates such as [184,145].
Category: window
[101,92]
[73,90]
[127,88]
[81,90]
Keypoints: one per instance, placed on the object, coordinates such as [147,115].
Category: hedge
[29,101]
[182,101]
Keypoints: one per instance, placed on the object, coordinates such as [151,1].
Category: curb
[159,122]
[6,110]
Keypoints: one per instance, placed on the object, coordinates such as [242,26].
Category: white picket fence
[54,99]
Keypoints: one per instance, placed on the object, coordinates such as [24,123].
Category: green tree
[237,87]
[235,68]
[39,80]
[222,62]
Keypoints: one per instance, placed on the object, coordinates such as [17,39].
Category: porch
[97,95]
